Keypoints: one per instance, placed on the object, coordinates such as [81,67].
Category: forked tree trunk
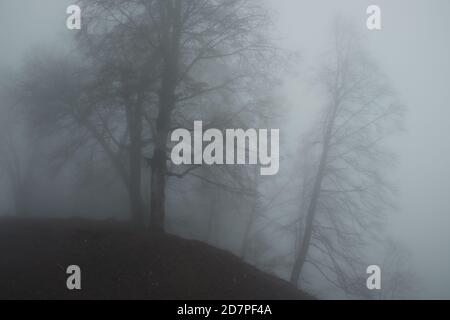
[159,160]
[170,41]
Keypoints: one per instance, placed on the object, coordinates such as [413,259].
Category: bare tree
[346,192]
[144,69]
[209,50]
[70,110]
[16,153]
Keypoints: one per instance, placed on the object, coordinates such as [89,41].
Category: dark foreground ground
[119,263]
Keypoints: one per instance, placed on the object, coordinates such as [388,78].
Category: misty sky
[414,51]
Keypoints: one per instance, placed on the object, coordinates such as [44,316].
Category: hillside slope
[118,263]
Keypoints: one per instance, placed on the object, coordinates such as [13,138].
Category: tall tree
[209,50]
[347,194]
[125,76]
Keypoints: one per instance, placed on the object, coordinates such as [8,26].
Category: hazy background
[413,49]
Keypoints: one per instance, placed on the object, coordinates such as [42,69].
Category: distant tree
[70,110]
[16,152]
[346,195]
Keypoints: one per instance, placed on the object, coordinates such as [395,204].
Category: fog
[412,50]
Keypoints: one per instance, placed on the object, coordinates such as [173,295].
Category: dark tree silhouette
[225,38]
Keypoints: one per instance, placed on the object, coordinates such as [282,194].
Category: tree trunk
[159,160]
[212,212]
[170,38]
[247,233]
[309,223]
[158,191]
[248,228]
[253,213]
[134,119]
[134,188]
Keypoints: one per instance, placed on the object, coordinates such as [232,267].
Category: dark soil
[117,262]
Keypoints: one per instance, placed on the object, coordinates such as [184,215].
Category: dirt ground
[117,262]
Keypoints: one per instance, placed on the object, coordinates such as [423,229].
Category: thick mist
[412,50]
